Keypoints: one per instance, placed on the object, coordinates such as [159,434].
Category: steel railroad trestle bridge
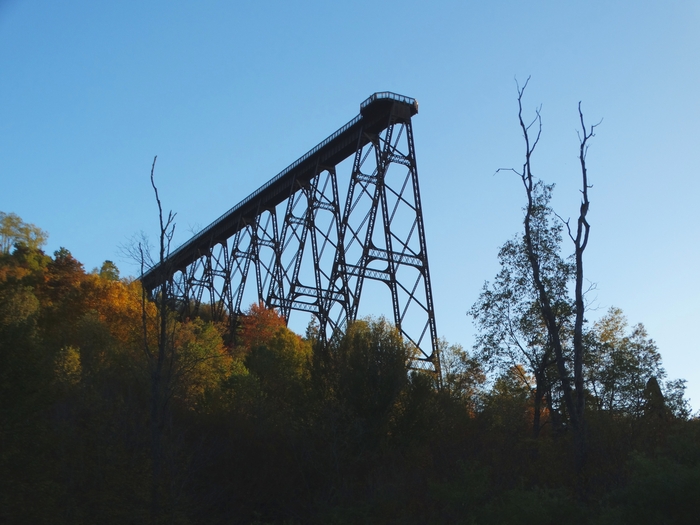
[293,245]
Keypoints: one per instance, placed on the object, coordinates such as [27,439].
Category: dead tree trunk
[160,359]
[580,242]
[574,397]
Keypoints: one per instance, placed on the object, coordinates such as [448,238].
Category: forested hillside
[265,426]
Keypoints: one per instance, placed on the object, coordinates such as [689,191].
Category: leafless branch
[167,228]
[138,250]
[509,169]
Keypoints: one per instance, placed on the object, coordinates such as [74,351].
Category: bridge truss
[294,245]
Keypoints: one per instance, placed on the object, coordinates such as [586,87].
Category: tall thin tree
[161,358]
[574,397]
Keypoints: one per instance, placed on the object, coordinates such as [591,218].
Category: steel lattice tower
[293,245]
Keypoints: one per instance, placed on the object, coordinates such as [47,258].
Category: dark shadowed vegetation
[279,429]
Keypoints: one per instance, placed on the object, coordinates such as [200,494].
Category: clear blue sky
[229,93]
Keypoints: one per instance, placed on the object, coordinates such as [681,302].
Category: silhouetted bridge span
[294,245]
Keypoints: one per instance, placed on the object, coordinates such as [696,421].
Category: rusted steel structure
[294,245]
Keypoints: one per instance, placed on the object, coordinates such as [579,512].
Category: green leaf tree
[624,372]
[508,314]
[14,231]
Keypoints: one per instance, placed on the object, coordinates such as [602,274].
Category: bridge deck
[373,119]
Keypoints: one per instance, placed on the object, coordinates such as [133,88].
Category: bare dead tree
[580,242]
[574,398]
[161,359]
[168,367]
[544,297]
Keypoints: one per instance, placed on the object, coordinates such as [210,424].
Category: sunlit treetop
[14,231]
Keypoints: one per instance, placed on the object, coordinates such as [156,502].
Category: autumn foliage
[270,428]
